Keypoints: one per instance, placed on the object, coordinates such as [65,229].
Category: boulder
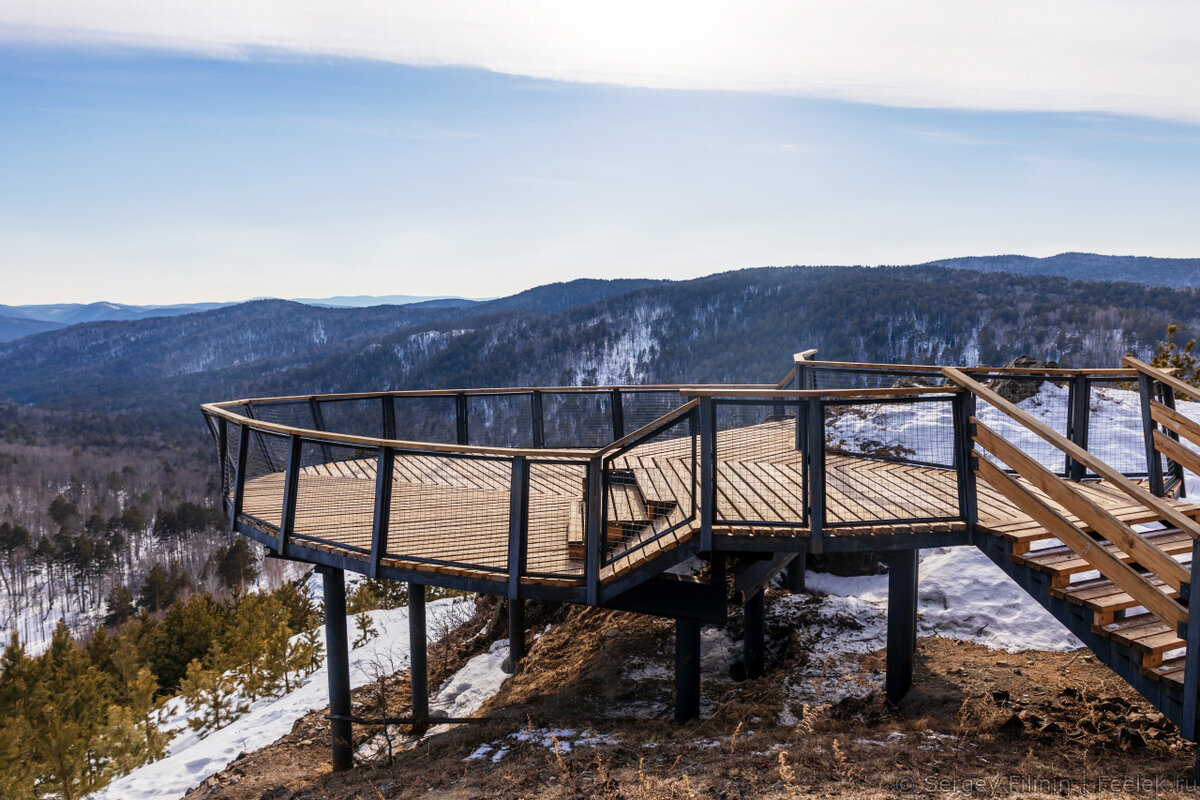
[1019,387]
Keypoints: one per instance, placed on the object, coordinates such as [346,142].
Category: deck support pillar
[516,633]
[418,658]
[754,638]
[687,670]
[902,622]
[334,588]
[793,579]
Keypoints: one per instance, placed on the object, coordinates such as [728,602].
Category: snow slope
[192,759]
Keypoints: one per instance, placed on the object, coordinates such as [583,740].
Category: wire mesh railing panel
[335,495]
[640,408]
[500,420]
[651,492]
[759,470]
[355,416]
[1047,400]
[450,512]
[577,419]
[1115,433]
[557,523]
[262,490]
[890,461]
[290,413]
[426,418]
[827,377]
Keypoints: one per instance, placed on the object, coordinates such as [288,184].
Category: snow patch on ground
[191,759]
[556,740]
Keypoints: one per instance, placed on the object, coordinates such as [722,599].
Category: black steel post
[814,458]
[687,670]
[1177,478]
[418,657]
[389,416]
[618,414]
[537,418]
[594,536]
[516,633]
[382,516]
[239,477]
[754,642]
[223,453]
[318,421]
[794,577]
[1078,417]
[462,431]
[964,452]
[291,487]
[902,622]
[518,545]
[708,472]
[1191,658]
[334,585]
[1154,468]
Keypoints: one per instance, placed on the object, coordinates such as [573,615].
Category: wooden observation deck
[593,494]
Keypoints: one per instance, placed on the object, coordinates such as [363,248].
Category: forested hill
[735,326]
[1178,272]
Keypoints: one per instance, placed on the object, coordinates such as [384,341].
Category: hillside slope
[1177,272]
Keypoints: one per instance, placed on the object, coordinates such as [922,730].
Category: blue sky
[155,175]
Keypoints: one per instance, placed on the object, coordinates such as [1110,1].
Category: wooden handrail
[642,431]
[489,392]
[831,393]
[1110,566]
[374,443]
[1134,490]
[1172,420]
[1162,376]
[1095,516]
[1106,372]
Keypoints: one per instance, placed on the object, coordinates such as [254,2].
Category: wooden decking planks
[455,510]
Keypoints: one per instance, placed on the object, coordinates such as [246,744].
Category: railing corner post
[964,451]
[518,525]
[814,458]
[537,419]
[239,477]
[1154,470]
[462,432]
[708,472]
[291,487]
[1078,419]
[381,519]
[1191,669]
[594,535]
[618,414]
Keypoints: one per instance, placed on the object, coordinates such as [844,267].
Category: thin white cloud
[1109,56]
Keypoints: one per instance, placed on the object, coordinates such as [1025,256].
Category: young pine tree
[211,693]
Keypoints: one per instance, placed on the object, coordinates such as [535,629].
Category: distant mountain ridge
[735,326]
[1174,272]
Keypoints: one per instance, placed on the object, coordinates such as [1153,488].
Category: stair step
[1063,562]
[1170,669]
[1024,534]
[626,504]
[1103,597]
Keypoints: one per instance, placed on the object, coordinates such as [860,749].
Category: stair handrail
[1160,411]
[1113,477]
[803,355]
[1161,375]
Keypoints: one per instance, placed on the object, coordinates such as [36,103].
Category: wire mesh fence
[555,542]
[651,492]
[1114,425]
[1046,398]
[425,418]
[577,419]
[890,461]
[500,420]
[759,463]
[360,416]
[335,495]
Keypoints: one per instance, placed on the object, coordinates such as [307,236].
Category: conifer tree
[366,629]
[211,693]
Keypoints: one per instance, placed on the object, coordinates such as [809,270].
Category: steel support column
[687,670]
[516,633]
[334,587]
[418,658]
[794,577]
[902,622]
[754,642]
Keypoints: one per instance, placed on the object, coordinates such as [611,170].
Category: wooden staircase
[1118,576]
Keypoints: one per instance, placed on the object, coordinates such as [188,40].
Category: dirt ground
[587,715]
